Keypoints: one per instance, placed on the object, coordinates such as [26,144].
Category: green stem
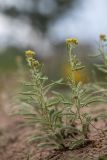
[78,111]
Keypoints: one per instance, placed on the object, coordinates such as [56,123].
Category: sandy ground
[14,144]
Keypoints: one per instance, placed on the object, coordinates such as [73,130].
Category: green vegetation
[59,119]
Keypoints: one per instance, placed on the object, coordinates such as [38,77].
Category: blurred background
[43,26]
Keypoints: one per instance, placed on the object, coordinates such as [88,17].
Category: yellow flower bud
[72,41]
[30,53]
[103,37]
[35,63]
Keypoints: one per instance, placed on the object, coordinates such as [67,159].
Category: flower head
[103,37]
[72,41]
[29,53]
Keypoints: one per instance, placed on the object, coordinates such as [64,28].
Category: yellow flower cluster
[103,37]
[72,41]
[29,53]
[30,58]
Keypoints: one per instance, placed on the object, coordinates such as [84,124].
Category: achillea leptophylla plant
[103,64]
[59,121]
[103,56]
[44,112]
[81,96]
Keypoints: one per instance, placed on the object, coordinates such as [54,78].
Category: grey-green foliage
[59,119]
[102,45]
[82,95]
[101,85]
[44,111]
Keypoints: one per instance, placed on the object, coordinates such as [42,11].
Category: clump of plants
[102,66]
[59,120]
[101,52]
